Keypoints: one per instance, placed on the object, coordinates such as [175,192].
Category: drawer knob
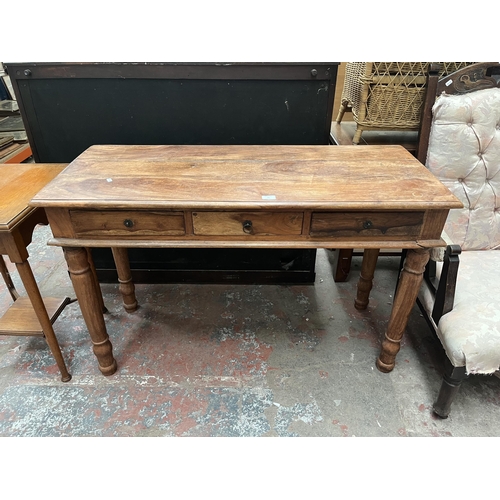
[128,223]
[368,224]
[247,226]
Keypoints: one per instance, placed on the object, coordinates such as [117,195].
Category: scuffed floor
[227,360]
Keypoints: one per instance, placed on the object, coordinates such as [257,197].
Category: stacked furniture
[14,147]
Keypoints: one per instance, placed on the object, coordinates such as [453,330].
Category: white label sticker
[268,197]
[448,83]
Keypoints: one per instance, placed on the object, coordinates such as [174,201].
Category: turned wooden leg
[90,305]
[104,309]
[8,280]
[127,288]
[365,283]
[406,294]
[452,379]
[33,292]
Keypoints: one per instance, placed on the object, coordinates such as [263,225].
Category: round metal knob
[247,226]
[368,224]
[128,223]
[27,72]
[314,72]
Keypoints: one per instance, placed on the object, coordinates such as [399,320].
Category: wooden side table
[31,315]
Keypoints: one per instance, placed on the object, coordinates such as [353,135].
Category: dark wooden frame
[475,77]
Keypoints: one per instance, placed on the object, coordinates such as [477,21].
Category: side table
[31,315]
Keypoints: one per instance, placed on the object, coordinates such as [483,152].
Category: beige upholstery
[470,333]
[464,153]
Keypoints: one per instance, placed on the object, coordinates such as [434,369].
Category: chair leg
[342,110]
[452,379]
[357,135]
[343,265]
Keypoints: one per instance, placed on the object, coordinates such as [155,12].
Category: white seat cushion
[470,333]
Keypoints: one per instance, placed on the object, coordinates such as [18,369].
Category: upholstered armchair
[460,144]
[387,95]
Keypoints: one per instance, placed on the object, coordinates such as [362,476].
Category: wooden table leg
[88,297]
[365,283]
[404,300]
[96,281]
[127,288]
[8,280]
[35,297]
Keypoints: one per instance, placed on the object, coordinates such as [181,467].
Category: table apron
[204,243]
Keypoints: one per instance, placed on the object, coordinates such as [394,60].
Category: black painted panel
[75,114]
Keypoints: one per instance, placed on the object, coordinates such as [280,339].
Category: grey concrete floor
[234,360]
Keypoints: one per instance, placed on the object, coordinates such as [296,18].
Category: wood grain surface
[224,177]
[18,184]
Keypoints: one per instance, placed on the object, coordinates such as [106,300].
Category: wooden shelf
[20,318]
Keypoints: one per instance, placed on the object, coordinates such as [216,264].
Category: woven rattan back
[387,95]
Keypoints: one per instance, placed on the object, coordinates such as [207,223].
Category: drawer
[250,223]
[135,223]
[398,225]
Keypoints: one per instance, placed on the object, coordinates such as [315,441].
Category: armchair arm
[437,253]
[445,293]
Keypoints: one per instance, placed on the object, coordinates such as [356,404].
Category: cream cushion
[470,333]
[464,154]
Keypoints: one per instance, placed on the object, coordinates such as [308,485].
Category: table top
[246,177]
[18,184]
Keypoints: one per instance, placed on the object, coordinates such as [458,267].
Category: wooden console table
[31,315]
[245,196]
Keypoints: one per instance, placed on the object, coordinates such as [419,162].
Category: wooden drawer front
[247,223]
[120,223]
[367,224]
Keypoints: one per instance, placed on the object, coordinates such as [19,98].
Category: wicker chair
[387,95]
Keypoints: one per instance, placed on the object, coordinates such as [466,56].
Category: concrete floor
[234,360]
